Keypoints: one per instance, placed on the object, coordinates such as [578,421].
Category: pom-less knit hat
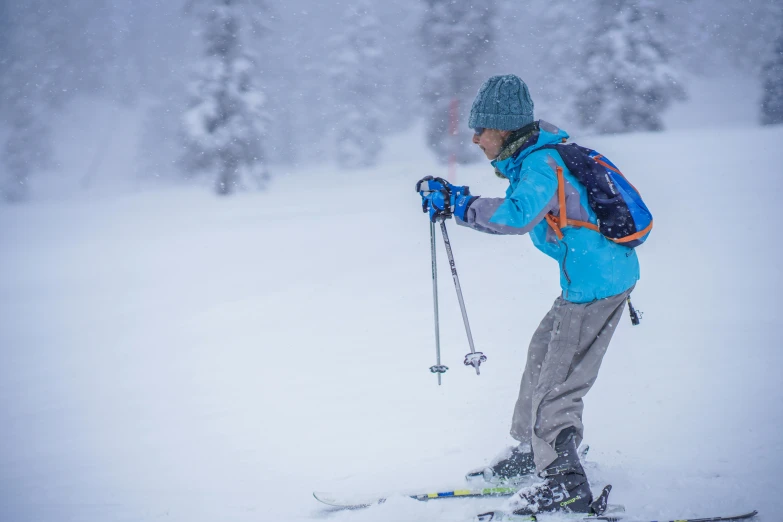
[502,103]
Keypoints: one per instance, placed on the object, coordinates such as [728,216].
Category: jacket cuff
[462,205]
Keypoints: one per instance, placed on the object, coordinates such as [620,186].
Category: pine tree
[355,73]
[628,81]
[225,123]
[42,66]
[28,83]
[772,81]
[457,39]
[555,64]
[28,147]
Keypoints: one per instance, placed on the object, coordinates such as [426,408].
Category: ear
[505,134]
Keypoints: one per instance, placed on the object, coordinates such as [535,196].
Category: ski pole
[474,358]
[438,368]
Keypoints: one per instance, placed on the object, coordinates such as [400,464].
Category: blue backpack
[622,215]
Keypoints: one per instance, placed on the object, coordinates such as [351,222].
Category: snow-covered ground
[171,355]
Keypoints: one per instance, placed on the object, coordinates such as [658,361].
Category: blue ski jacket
[591,266]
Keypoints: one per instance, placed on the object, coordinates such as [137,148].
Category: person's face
[490,141]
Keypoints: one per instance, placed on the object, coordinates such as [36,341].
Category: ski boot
[511,466]
[565,486]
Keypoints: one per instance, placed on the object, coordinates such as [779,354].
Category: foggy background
[215,275]
[231,93]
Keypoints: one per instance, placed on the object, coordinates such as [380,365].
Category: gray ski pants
[562,365]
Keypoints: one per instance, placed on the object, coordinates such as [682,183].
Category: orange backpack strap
[585,224]
[558,223]
[552,220]
[606,165]
[561,196]
[636,236]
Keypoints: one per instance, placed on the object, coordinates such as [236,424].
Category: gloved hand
[442,199]
[438,197]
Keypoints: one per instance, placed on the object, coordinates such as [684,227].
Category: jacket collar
[518,140]
[521,143]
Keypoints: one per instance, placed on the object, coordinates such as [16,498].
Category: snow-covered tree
[627,77]
[43,64]
[457,40]
[357,87]
[225,124]
[551,68]
[28,146]
[708,35]
[31,60]
[772,82]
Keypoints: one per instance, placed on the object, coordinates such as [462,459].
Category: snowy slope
[171,355]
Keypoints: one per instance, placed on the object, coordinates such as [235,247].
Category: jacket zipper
[565,256]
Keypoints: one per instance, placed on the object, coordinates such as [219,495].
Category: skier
[596,276]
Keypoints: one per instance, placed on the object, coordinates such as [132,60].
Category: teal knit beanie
[502,103]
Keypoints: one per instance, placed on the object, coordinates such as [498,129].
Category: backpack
[622,215]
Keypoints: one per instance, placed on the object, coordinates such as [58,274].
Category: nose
[476,139]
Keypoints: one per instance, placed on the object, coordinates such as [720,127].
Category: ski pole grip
[418,183]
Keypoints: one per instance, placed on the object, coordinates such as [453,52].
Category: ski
[500,516]
[497,490]
[355,503]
